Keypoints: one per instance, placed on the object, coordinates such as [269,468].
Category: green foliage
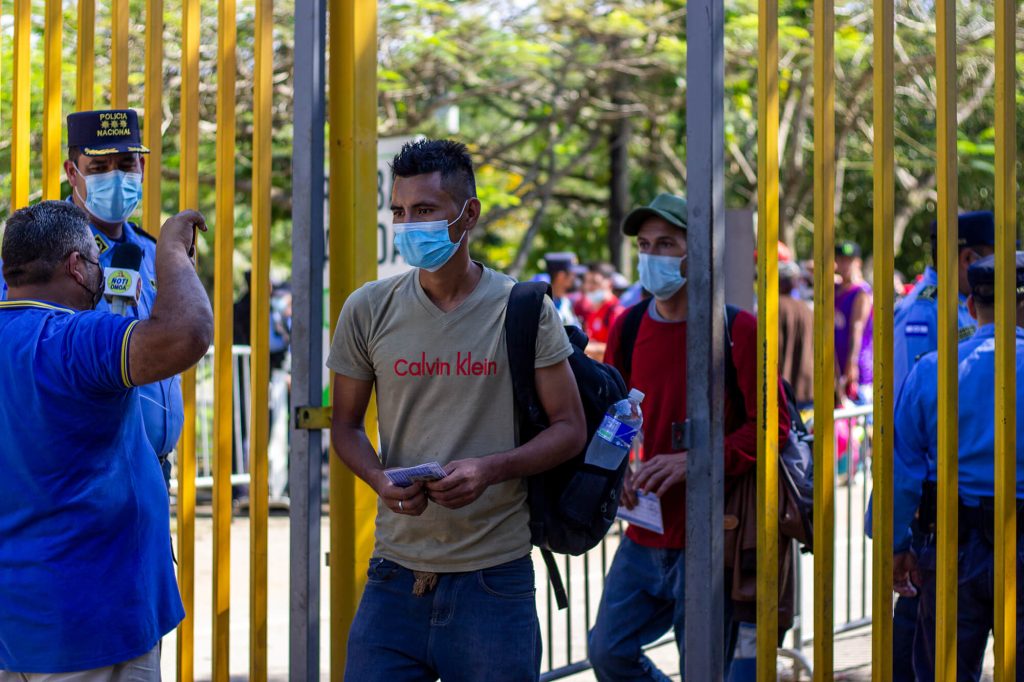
[541,88]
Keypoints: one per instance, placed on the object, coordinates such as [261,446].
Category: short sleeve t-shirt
[86,574]
[444,392]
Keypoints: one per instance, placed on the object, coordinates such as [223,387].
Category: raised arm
[180,329]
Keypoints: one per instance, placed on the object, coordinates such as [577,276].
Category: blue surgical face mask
[113,196]
[427,245]
[661,275]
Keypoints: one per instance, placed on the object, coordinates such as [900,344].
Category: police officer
[915,333]
[916,418]
[917,315]
[105,166]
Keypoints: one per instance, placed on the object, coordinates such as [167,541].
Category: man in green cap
[644,595]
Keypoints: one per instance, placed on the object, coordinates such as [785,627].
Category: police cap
[561,261]
[976,228]
[101,133]
[982,278]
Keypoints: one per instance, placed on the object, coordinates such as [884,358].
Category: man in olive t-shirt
[450,589]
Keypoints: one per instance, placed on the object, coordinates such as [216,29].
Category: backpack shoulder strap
[732,386]
[627,338]
[522,318]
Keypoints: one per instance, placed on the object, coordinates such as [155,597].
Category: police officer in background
[917,314]
[104,167]
[915,333]
[916,418]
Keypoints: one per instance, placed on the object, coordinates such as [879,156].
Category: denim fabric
[480,625]
[644,597]
[975,600]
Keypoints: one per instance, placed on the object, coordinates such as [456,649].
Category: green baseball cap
[668,207]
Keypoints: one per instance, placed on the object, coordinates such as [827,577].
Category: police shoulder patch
[929,293]
[966,332]
[917,329]
[101,244]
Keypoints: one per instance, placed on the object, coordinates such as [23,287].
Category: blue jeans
[975,600]
[644,597]
[480,625]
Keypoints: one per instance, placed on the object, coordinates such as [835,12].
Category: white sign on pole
[389,260]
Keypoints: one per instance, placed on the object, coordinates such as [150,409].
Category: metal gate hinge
[681,436]
[313,418]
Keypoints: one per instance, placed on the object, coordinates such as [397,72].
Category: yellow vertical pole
[824,235]
[153,104]
[119,54]
[353,261]
[885,391]
[947,525]
[188,197]
[1005,578]
[767,339]
[22,103]
[85,56]
[52,162]
[259,419]
[223,290]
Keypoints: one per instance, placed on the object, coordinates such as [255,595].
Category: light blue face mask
[427,245]
[661,275]
[113,196]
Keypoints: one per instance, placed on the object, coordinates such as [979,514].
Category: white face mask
[597,297]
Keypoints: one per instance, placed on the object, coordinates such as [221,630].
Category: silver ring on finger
[401,506]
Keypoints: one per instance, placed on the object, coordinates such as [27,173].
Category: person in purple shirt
[853,325]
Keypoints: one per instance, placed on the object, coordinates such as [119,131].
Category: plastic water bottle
[614,437]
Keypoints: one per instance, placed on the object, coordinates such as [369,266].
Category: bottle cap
[636,396]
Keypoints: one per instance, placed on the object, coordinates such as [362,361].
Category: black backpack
[573,505]
[796,512]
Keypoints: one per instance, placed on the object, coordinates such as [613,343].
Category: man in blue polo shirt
[87,586]
[105,166]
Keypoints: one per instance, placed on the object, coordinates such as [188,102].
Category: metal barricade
[240,427]
[564,633]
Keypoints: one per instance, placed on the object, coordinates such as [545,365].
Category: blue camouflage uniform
[916,424]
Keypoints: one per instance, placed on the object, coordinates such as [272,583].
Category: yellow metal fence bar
[153,121]
[85,56]
[119,54]
[52,126]
[353,259]
[223,289]
[885,391]
[259,419]
[1005,577]
[22,103]
[767,339]
[824,229]
[188,197]
[946,568]
[343,280]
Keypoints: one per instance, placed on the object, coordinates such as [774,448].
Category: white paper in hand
[405,477]
[646,513]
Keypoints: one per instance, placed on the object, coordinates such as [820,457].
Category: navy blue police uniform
[915,333]
[916,417]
